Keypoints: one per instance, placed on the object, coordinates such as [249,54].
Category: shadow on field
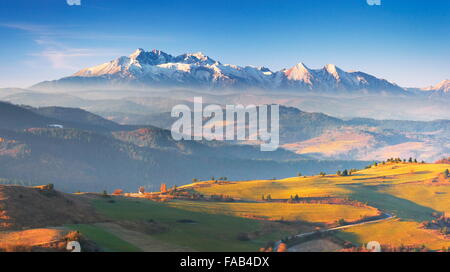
[402,208]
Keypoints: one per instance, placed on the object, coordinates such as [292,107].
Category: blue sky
[404,41]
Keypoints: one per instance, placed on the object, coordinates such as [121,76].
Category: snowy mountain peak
[136,53]
[199,55]
[302,66]
[443,86]
[335,71]
[331,68]
[299,72]
[195,58]
[153,57]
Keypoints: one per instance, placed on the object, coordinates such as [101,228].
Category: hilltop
[42,206]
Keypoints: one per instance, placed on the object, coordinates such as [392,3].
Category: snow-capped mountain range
[158,69]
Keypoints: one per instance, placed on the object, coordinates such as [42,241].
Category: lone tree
[446,173]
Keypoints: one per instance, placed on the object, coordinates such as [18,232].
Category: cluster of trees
[222,178]
[343,173]
[398,160]
[395,160]
[266,198]
[194,180]
[346,172]
[221,197]
[441,223]
[341,222]
[446,173]
[292,199]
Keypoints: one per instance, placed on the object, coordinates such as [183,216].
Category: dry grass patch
[28,207]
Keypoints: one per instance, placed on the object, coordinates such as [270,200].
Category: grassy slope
[395,233]
[395,188]
[400,189]
[330,185]
[210,232]
[103,238]
[314,213]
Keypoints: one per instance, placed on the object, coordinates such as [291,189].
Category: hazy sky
[404,41]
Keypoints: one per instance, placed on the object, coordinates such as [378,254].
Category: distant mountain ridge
[159,69]
[87,152]
[322,136]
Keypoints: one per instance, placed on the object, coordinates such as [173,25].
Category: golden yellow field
[314,213]
[410,192]
[395,233]
[435,197]
[318,186]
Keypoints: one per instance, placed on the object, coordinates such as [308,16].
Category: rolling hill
[392,203]
[411,192]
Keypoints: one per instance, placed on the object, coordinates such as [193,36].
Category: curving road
[387,216]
